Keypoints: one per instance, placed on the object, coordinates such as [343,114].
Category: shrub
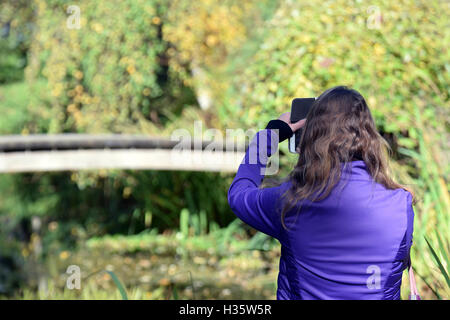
[15,32]
[106,75]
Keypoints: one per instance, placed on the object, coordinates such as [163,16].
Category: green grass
[119,285]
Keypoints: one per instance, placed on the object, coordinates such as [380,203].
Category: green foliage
[11,261]
[112,75]
[432,212]
[117,202]
[15,34]
[439,263]
[309,47]
[119,285]
[12,60]
[109,74]
[135,72]
[24,108]
[226,241]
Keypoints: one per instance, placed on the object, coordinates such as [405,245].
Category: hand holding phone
[286,117]
[299,110]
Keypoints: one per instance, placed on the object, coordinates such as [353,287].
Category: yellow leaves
[103,173]
[86,99]
[171,52]
[64,255]
[187,82]
[172,270]
[211,40]
[256,254]
[146,92]
[72,108]
[78,116]
[57,90]
[164,282]
[79,89]
[156,20]
[379,50]
[97,27]
[253,113]
[25,252]
[144,263]
[105,277]
[206,30]
[150,10]
[305,38]
[126,192]
[14,23]
[52,226]
[138,78]
[325,18]
[41,5]
[316,64]
[126,61]
[131,69]
[273,86]
[83,21]
[78,75]
[231,273]
[74,176]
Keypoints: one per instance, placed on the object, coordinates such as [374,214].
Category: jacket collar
[355,170]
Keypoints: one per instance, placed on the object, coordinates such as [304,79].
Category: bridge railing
[88,152]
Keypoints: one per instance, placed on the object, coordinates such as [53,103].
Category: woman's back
[345,226]
[351,245]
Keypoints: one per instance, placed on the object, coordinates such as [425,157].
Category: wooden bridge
[88,152]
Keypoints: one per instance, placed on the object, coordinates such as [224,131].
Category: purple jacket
[352,245]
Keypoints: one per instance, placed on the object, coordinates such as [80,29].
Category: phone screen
[299,110]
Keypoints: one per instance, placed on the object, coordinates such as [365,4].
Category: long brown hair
[339,129]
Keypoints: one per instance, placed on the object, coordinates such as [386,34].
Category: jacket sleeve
[409,230]
[410,221]
[255,206]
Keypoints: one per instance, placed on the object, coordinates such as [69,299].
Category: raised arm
[253,205]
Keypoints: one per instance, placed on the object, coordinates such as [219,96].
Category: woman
[344,225]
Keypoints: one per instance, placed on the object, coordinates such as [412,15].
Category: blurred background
[151,67]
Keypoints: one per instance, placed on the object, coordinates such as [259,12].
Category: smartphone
[299,110]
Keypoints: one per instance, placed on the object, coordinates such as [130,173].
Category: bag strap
[414,294]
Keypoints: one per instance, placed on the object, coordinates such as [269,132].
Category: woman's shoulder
[406,194]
